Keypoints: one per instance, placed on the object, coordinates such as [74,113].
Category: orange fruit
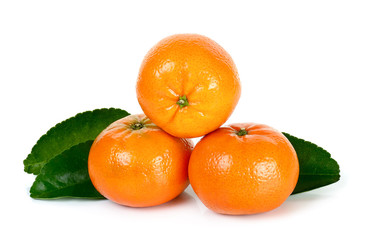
[188,85]
[243,169]
[135,163]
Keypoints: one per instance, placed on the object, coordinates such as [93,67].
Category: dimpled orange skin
[246,174]
[191,66]
[139,168]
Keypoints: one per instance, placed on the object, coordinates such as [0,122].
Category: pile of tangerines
[188,86]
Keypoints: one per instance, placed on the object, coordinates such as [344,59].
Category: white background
[305,68]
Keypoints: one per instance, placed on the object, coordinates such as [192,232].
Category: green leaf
[317,168]
[66,176]
[80,128]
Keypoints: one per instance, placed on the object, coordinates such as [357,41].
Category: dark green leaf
[317,168]
[83,127]
[66,176]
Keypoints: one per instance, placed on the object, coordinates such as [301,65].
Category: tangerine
[243,169]
[188,85]
[135,163]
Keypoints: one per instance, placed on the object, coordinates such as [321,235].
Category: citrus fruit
[188,85]
[243,169]
[135,163]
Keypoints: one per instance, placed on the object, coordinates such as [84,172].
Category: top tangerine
[188,85]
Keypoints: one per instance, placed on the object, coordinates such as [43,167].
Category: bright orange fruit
[135,163]
[243,169]
[188,85]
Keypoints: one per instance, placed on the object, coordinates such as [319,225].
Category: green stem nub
[182,101]
[242,132]
[137,126]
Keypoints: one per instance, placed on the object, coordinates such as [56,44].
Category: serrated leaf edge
[30,155]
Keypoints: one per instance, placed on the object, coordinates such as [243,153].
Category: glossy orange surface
[135,163]
[246,174]
[188,67]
